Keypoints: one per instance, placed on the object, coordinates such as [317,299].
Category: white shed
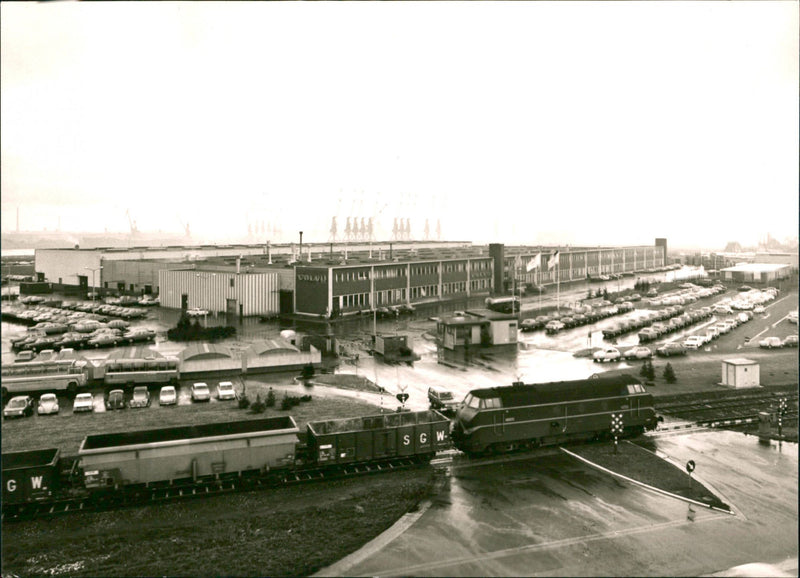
[740,372]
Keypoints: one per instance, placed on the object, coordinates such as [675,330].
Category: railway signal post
[781,413]
[616,428]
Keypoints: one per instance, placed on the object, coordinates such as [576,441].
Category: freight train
[130,464]
[497,419]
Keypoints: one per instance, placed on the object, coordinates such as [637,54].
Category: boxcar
[360,439]
[29,476]
[187,452]
[516,416]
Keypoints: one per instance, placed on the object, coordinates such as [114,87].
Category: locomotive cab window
[491,403]
[635,388]
[472,401]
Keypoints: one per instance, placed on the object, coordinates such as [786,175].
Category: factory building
[333,280]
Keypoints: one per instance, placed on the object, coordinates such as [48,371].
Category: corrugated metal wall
[258,293]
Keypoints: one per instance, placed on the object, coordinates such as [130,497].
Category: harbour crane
[131,222]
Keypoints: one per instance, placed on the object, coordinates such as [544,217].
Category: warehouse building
[763,273]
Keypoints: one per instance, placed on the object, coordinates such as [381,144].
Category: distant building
[763,273]
[476,327]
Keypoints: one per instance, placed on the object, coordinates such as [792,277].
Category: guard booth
[740,373]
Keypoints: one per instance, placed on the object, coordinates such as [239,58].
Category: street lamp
[93,270]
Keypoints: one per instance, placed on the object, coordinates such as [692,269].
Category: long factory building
[322,281]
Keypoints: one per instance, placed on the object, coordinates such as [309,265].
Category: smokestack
[301,245]
[269,254]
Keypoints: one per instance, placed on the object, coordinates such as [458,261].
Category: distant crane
[131,222]
[185,226]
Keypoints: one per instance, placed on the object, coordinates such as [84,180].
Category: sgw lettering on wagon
[423,438]
[36,484]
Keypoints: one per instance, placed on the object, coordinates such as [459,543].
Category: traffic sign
[690,466]
[402,397]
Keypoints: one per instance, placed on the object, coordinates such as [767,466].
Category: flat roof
[757,267]
[739,361]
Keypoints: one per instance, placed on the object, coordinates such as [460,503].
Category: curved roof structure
[269,346]
[204,351]
[135,352]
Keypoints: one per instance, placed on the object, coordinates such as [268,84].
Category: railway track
[740,411]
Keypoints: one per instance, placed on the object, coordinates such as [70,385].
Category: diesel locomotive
[519,416]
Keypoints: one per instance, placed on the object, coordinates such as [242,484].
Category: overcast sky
[522,122]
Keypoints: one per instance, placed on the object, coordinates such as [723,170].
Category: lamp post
[93,270]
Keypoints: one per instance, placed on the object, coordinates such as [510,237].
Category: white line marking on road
[779,320]
[757,334]
[423,569]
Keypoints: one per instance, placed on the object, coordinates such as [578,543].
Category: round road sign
[690,466]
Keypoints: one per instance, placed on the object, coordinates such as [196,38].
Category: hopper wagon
[184,453]
[361,439]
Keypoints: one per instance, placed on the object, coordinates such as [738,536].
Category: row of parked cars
[168,395]
[556,320]
[102,336]
[25,405]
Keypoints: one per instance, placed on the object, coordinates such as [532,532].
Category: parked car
[712,332]
[770,342]
[139,334]
[758,309]
[790,341]
[722,309]
[441,399]
[48,404]
[694,342]
[638,352]
[670,349]
[115,399]
[553,326]
[606,354]
[225,390]
[168,395]
[529,324]
[19,406]
[200,392]
[792,318]
[83,402]
[103,340]
[23,356]
[141,397]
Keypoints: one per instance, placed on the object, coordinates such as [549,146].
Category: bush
[270,398]
[669,374]
[244,402]
[647,371]
[308,371]
[188,330]
[289,401]
[258,405]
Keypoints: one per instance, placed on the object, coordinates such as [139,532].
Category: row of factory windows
[458,287]
[399,295]
[395,272]
[361,300]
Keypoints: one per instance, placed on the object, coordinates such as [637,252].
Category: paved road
[556,517]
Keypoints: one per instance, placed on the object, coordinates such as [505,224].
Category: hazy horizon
[524,123]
